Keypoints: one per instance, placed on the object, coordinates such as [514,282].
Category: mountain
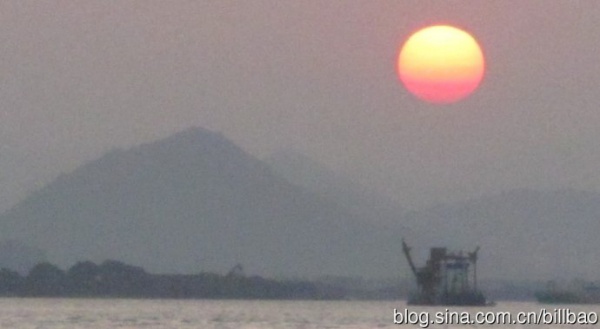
[19,257]
[523,234]
[355,198]
[196,202]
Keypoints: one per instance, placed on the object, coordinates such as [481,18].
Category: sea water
[224,314]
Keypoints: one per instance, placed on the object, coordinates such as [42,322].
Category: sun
[441,64]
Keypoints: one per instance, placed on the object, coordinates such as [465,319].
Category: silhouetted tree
[116,279]
[11,283]
[45,279]
[84,279]
[119,279]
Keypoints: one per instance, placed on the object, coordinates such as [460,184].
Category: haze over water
[225,314]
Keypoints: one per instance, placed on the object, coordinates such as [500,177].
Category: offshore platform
[446,279]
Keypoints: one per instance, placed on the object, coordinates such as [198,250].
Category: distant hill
[196,202]
[523,234]
[361,201]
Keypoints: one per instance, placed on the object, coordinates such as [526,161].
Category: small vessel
[446,279]
[581,293]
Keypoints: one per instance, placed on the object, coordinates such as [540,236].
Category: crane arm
[406,250]
[473,255]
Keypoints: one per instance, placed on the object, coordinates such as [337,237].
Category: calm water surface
[119,313]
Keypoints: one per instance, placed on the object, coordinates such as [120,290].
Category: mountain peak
[197,133]
[193,201]
[193,136]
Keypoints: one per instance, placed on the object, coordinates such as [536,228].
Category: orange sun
[441,64]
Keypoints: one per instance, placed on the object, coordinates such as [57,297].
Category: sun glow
[441,64]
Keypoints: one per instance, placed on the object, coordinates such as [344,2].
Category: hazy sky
[78,78]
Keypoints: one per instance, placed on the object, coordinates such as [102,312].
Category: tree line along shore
[114,279]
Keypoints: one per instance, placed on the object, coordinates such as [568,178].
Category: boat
[448,278]
[577,293]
